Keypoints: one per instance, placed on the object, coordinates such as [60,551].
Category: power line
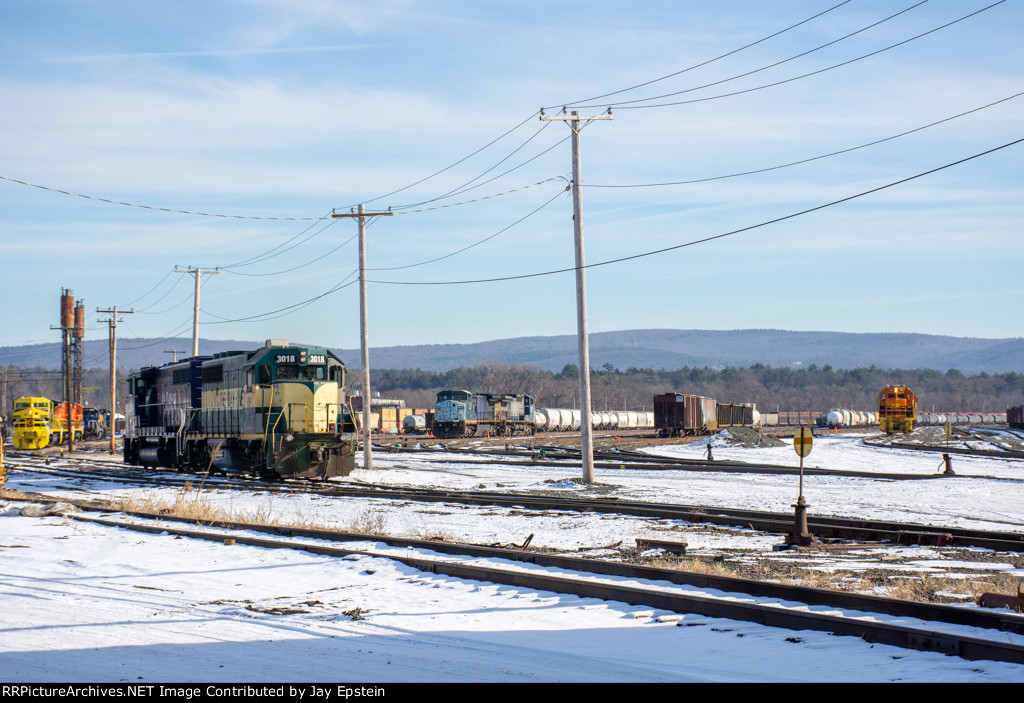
[280,312]
[777,63]
[630,106]
[579,103]
[489,180]
[478,243]
[495,195]
[151,289]
[155,302]
[802,161]
[268,315]
[446,168]
[170,335]
[705,239]
[465,186]
[268,254]
[151,207]
[295,268]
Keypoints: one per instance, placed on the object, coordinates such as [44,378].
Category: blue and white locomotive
[466,414]
[275,412]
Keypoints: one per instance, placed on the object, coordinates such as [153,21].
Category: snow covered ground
[90,603]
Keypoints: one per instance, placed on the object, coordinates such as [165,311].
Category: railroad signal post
[582,335]
[803,440]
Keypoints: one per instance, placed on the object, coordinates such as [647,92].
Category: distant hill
[673,349]
[657,349]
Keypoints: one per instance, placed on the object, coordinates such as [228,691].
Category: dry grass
[189,503]
[370,522]
[939,588]
[195,504]
[925,588]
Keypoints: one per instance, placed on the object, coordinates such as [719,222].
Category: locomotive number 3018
[291,359]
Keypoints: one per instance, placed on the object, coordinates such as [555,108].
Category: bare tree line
[770,388]
[783,388]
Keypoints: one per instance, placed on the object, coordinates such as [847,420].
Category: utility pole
[174,354]
[198,273]
[582,335]
[363,334]
[112,324]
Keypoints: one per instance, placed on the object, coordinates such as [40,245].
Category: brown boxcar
[735,415]
[683,414]
[1015,417]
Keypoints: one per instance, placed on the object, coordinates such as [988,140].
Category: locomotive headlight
[289,438]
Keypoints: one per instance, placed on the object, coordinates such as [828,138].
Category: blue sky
[265,109]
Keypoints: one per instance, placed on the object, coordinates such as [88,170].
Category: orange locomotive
[897,409]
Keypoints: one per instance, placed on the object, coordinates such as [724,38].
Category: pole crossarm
[335,213]
[574,119]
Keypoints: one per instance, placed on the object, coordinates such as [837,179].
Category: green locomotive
[276,412]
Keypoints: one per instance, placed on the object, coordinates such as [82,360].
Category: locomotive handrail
[270,432]
[180,434]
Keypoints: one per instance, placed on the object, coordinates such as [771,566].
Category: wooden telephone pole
[582,334]
[198,273]
[361,215]
[112,324]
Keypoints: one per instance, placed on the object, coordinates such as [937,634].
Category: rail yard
[890,522]
[911,540]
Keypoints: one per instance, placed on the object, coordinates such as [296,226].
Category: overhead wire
[343,284]
[465,186]
[803,161]
[477,243]
[150,290]
[155,302]
[777,63]
[269,253]
[485,197]
[705,239]
[150,207]
[629,105]
[702,63]
[294,268]
[446,168]
[166,337]
[267,315]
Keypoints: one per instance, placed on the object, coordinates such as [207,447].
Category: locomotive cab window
[264,376]
[300,373]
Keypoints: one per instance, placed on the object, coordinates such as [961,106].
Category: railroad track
[627,459]
[823,527]
[1009,454]
[921,626]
